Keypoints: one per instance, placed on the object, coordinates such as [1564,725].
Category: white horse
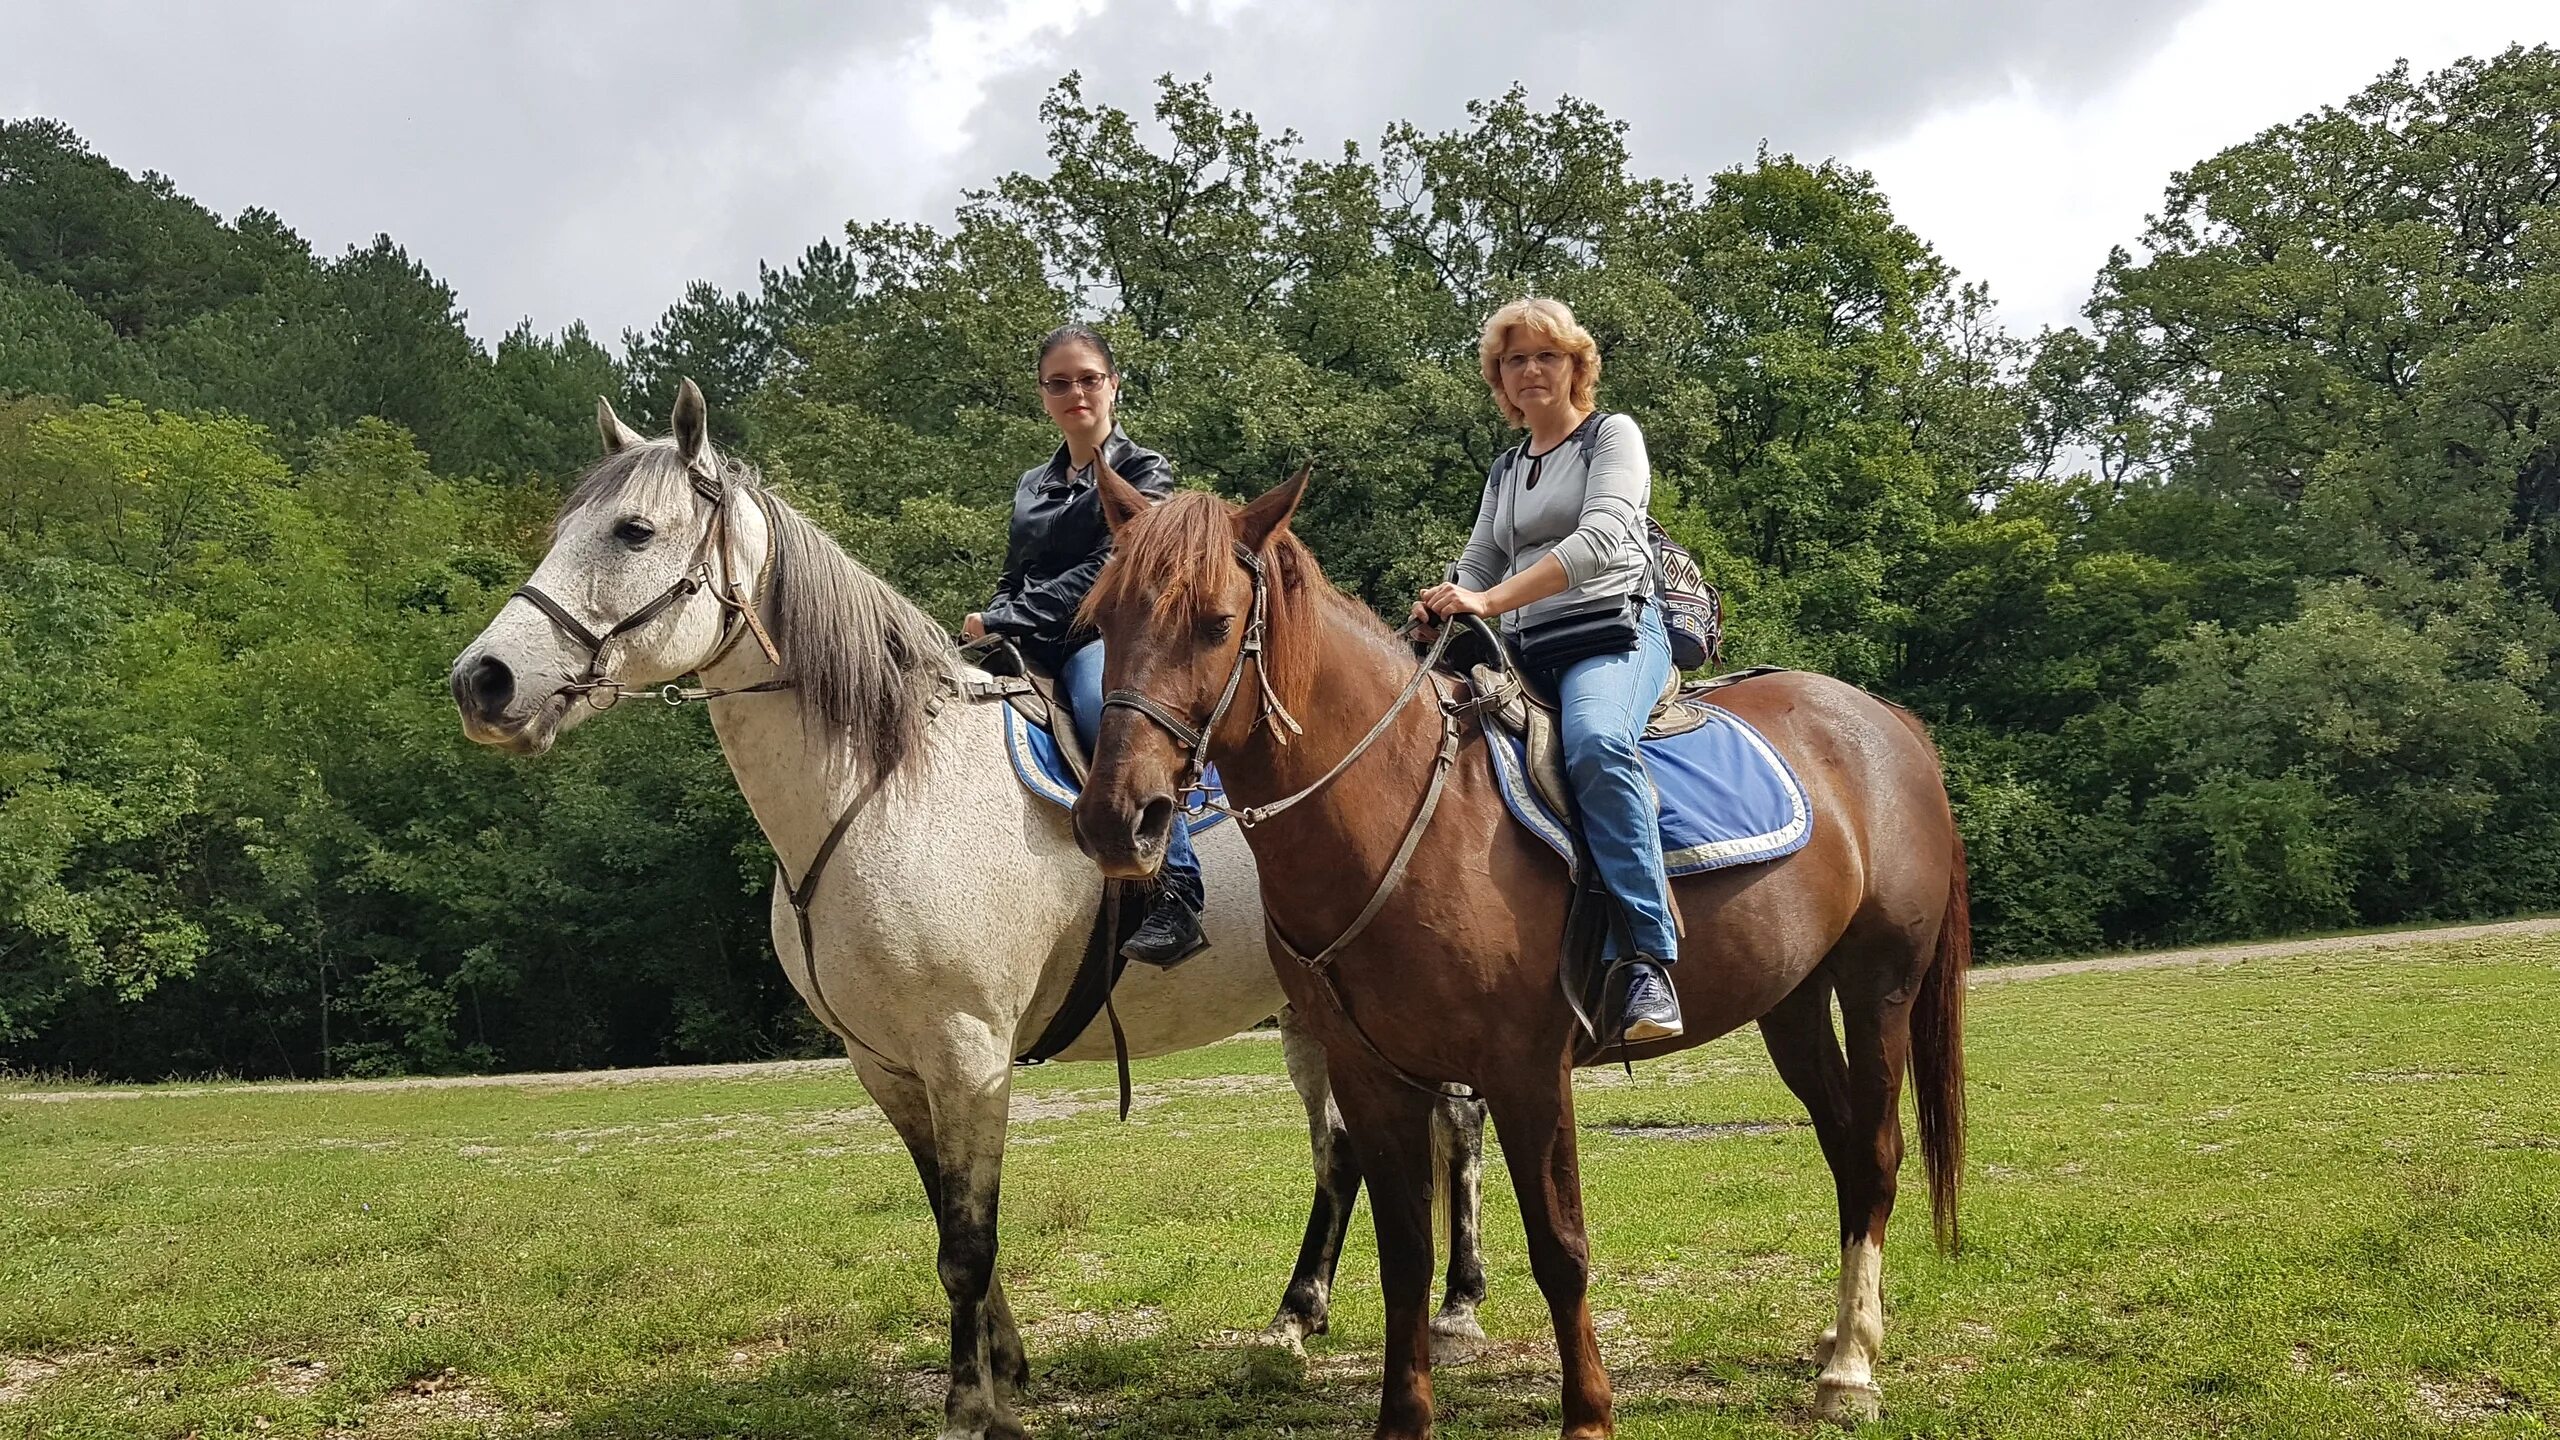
[947,910]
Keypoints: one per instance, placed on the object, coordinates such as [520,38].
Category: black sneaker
[1170,936]
[1650,1009]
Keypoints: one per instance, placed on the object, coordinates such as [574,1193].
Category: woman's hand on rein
[974,628]
[1449,599]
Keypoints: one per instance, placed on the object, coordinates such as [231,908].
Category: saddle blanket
[1044,772]
[1727,797]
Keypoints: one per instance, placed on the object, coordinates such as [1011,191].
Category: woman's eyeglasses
[1089,382]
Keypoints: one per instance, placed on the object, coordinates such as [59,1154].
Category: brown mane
[1181,553]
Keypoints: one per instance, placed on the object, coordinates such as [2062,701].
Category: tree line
[2233,609]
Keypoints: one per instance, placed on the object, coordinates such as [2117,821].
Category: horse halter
[1196,739]
[696,577]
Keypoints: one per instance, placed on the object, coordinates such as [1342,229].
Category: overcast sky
[585,158]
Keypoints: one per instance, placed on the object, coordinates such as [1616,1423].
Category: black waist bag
[1547,648]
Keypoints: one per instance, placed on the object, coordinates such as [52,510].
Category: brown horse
[1225,638]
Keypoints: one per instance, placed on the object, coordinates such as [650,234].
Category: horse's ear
[618,437]
[692,426]
[1269,513]
[1122,502]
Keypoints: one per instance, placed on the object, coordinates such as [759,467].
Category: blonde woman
[1559,552]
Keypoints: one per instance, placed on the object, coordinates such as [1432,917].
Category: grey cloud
[583,158]
[1701,83]
[556,160]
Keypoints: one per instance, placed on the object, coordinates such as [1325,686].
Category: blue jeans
[1081,681]
[1605,701]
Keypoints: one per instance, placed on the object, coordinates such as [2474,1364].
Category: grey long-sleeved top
[1590,517]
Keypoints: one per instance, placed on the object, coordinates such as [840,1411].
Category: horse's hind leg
[1305,1307]
[1457,1135]
[1878,1029]
[1457,1144]
[1535,1118]
[1806,1051]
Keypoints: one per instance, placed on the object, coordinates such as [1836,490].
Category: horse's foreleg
[1391,1129]
[1879,1046]
[1536,1122]
[1457,1142]
[1306,1306]
[903,1101]
[969,1095]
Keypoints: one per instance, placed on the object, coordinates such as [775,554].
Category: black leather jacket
[1056,547]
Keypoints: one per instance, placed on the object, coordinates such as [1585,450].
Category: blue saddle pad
[1728,798]
[1044,772]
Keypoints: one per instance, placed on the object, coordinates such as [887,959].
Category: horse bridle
[696,577]
[1196,739]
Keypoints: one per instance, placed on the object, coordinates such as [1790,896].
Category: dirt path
[2267,950]
[1994,975]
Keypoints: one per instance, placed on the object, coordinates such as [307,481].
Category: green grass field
[2310,1197]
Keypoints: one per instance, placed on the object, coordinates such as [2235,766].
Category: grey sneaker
[1651,1009]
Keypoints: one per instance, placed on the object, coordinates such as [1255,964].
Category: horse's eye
[1217,627]
[635,532]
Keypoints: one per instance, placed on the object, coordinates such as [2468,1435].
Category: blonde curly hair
[1551,321]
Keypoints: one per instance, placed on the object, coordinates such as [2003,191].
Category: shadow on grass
[1126,1390]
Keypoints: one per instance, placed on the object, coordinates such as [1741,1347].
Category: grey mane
[860,657]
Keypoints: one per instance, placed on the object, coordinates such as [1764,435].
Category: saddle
[1511,702]
[1030,690]
[1513,708]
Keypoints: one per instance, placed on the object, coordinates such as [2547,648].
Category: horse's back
[1883,846]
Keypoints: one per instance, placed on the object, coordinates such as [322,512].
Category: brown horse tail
[1937,1055]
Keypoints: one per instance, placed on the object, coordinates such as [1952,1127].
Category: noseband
[695,578]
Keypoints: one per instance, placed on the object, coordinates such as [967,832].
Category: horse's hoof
[1848,1402]
[1289,1333]
[1455,1338]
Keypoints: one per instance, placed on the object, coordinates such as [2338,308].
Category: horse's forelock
[648,474]
[1171,558]
[1183,550]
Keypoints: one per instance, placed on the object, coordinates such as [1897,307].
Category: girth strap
[1102,960]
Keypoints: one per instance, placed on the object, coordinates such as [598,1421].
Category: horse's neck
[797,783]
[1358,818]
[797,780]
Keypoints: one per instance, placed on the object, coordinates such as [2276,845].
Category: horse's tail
[1937,1055]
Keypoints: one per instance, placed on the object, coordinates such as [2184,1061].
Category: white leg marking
[1847,1389]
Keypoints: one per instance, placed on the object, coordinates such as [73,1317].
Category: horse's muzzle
[1127,843]
[495,712]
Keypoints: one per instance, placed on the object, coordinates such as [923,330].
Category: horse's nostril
[1155,822]
[492,685]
